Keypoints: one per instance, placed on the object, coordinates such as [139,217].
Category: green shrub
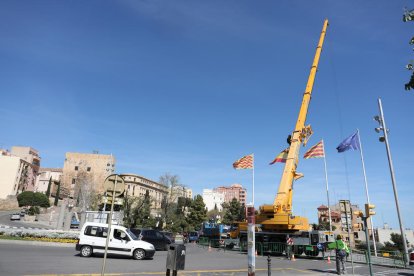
[34,210]
[28,198]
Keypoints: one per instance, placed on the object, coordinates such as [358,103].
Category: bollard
[269,266]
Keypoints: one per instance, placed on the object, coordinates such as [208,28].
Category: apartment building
[30,156]
[179,191]
[86,170]
[18,170]
[234,191]
[341,217]
[136,186]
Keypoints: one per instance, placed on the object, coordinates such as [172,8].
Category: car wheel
[139,254]
[86,251]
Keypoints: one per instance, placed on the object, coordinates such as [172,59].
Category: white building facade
[18,170]
[213,199]
[11,168]
[384,235]
[44,176]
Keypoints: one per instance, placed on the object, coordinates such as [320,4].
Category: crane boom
[279,215]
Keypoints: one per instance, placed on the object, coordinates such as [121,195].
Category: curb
[38,243]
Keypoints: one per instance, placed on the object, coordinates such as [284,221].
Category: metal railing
[385,258]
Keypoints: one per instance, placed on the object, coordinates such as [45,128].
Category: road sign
[319,246]
[110,186]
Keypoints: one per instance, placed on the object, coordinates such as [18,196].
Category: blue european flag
[352,142]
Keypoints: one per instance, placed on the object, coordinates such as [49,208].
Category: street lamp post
[383,128]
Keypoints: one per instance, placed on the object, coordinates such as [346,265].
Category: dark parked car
[170,235]
[155,237]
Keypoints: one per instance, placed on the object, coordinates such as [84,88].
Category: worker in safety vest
[342,251]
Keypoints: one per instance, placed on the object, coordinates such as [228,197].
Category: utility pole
[380,119]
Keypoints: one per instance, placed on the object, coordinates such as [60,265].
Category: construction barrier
[384,258]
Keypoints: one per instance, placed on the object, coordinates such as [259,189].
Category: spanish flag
[281,157]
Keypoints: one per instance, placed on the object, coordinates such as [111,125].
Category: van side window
[120,235]
[159,235]
[96,231]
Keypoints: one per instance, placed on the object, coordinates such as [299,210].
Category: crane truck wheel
[313,253]
[298,249]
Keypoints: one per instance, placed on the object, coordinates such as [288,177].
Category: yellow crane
[279,215]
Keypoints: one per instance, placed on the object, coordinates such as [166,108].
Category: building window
[73,180]
[88,169]
[76,168]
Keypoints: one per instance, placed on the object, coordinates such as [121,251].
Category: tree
[323,226]
[33,210]
[363,246]
[57,195]
[48,187]
[197,213]
[398,241]
[29,198]
[169,202]
[232,211]
[212,215]
[144,213]
[86,193]
[137,212]
[130,203]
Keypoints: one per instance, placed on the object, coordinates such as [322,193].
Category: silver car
[15,217]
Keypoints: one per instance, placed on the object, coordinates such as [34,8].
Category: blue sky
[188,87]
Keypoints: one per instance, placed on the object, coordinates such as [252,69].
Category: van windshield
[132,235]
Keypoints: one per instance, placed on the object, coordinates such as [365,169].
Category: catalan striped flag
[246,162]
[316,151]
[281,157]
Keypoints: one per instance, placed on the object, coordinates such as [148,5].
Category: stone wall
[9,203]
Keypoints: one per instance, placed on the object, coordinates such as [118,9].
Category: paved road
[28,259]
[5,220]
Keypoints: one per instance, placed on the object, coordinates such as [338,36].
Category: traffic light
[358,214]
[369,210]
[250,211]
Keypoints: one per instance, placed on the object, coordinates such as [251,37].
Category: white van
[92,239]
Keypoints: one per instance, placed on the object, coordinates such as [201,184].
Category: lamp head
[377,129]
[382,139]
[377,118]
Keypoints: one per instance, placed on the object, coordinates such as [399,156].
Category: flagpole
[253,182]
[366,191]
[252,226]
[327,189]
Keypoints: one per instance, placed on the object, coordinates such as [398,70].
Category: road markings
[195,272]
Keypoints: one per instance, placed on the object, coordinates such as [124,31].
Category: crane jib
[279,216]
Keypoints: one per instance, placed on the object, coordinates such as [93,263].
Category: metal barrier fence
[385,258]
[241,246]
